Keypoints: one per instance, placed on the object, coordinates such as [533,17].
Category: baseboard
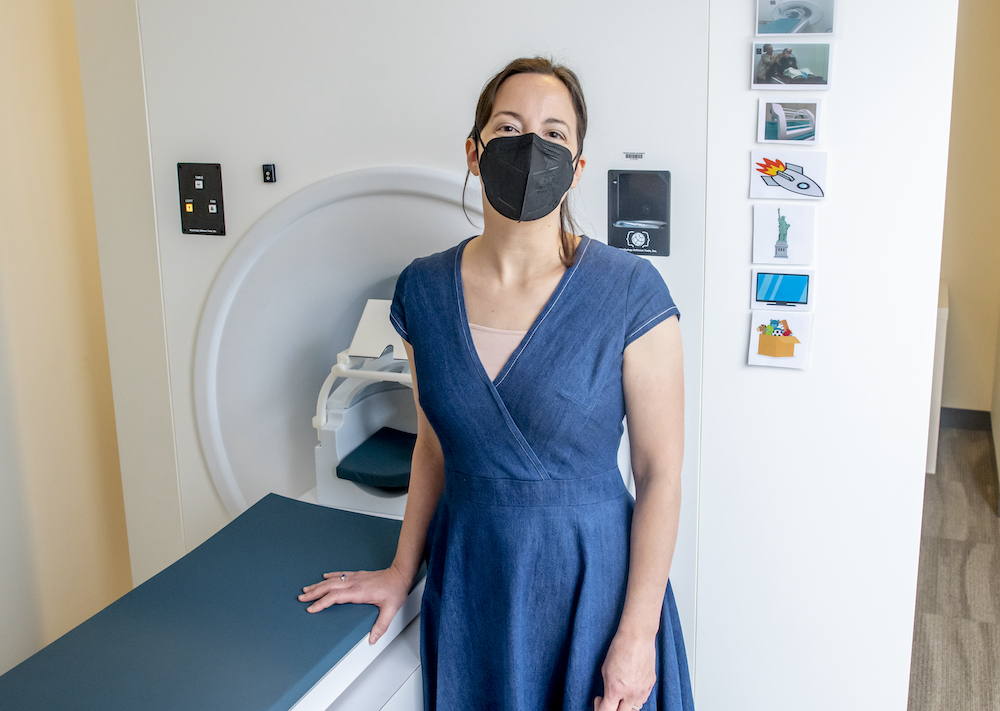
[966,419]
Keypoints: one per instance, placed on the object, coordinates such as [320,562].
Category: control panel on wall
[200,187]
[639,211]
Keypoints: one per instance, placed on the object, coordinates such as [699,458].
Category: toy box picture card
[800,17]
[790,65]
[783,233]
[777,289]
[779,339]
[784,174]
[786,122]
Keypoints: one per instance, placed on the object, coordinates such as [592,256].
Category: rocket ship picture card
[787,174]
[783,233]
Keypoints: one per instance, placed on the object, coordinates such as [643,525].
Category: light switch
[200,187]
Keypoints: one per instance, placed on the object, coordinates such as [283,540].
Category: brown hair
[484,109]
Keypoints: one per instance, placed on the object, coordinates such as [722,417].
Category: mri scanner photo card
[800,17]
[791,123]
[795,66]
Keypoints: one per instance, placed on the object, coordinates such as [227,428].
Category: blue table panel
[221,628]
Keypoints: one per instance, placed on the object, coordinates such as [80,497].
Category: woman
[546,584]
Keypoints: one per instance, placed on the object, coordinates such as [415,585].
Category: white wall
[111,69]
[811,488]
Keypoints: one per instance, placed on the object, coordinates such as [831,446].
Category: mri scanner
[288,300]
[294,344]
[307,292]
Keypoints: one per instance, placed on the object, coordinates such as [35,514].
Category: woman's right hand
[386,589]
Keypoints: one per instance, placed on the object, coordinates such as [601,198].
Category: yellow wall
[56,375]
[970,260]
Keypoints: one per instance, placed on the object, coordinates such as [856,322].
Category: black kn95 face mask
[525,177]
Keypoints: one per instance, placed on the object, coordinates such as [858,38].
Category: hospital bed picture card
[790,65]
[779,339]
[784,174]
[783,233]
[798,17]
[780,289]
[787,122]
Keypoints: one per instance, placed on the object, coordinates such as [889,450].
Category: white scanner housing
[369,388]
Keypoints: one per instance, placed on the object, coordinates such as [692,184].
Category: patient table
[222,628]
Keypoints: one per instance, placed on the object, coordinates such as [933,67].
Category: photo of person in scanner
[800,64]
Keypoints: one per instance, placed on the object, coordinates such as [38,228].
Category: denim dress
[528,548]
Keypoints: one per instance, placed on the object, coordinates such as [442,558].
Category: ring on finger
[343,577]
[636,708]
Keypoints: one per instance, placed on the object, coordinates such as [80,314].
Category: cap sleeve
[397,312]
[648,301]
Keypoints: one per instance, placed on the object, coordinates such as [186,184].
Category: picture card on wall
[793,123]
[778,289]
[784,65]
[799,17]
[779,339]
[784,174]
[783,233]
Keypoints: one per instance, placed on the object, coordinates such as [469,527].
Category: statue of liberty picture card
[783,233]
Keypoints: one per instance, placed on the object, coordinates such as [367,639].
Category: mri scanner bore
[367,426]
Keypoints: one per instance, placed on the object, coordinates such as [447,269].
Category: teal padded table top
[221,628]
[382,460]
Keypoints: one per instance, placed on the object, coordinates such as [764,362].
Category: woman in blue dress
[547,584]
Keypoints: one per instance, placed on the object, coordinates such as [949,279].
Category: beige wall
[970,260]
[61,457]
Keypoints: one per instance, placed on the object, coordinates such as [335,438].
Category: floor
[956,636]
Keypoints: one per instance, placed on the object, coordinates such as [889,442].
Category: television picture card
[778,289]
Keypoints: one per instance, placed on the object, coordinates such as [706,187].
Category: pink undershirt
[495,346]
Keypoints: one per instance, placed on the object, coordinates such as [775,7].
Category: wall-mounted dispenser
[639,211]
